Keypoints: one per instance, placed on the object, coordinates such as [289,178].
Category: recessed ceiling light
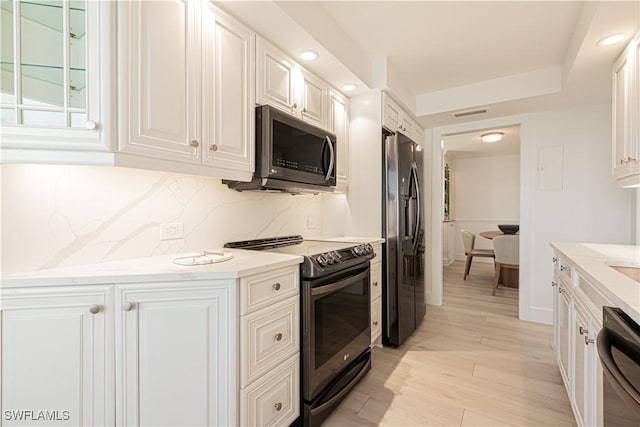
[612,39]
[492,136]
[349,87]
[309,55]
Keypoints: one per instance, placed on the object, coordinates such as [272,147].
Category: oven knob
[336,256]
[321,260]
[368,248]
[357,251]
[329,257]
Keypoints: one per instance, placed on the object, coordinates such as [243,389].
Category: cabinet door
[580,365]
[228,95]
[58,95]
[275,76]
[406,125]
[158,55]
[564,339]
[177,353]
[621,115]
[339,124]
[313,99]
[391,113]
[55,355]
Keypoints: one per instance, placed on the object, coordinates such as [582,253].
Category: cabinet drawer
[376,281]
[265,289]
[564,270]
[376,319]
[274,398]
[377,250]
[269,336]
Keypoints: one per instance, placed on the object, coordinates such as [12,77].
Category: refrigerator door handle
[409,212]
[416,227]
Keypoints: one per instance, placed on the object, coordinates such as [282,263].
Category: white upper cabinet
[396,119]
[626,116]
[186,92]
[283,84]
[275,78]
[228,92]
[160,79]
[339,124]
[56,79]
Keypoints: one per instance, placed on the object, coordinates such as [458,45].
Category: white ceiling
[439,57]
[470,144]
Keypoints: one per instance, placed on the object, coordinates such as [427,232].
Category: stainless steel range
[335,318]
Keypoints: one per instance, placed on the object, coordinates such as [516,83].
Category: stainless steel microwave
[291,155]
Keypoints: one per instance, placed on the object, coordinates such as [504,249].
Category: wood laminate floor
[471,363]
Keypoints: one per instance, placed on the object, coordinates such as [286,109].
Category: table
[509,277]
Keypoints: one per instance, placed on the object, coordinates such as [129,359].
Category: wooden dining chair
[469,240]
[507,251]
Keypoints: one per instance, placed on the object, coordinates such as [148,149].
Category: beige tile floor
[471,363]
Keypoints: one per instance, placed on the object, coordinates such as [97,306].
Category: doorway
[527,173]
[481,190]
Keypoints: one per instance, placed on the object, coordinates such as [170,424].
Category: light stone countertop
[152,269]
[593,260]
[372,240]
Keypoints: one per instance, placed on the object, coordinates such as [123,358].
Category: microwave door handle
[331,159]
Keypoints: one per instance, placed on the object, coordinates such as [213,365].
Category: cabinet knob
[276,286]
[294,107]
[583,331]
[375,284]
[588,340]
[95,308]
[278,336]
[128,306]
[278,406]
[304,110]
[213,147]
[90,125]
[375,323]
[194,144]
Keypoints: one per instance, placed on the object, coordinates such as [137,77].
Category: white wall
[55,216]
[567,197]
[485,192]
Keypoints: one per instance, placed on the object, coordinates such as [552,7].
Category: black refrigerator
[403,297]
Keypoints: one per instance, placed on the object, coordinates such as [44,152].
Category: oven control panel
[331,261]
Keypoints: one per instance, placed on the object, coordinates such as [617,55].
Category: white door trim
[527,169]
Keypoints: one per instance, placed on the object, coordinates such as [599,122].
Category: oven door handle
[612,372]
[327,289]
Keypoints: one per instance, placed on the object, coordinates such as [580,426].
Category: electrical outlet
[171,230]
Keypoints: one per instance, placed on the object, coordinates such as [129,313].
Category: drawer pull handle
[588,340]
[375,323]
[560,290]
[583,331]
[276,286]
[554,259]
[278,406]
[278,336]
[128,306]
[563,267]
[554,283]
[95,309]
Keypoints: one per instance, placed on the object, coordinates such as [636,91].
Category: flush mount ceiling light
[349,87]
[492,136]
[612,39]
[309,55]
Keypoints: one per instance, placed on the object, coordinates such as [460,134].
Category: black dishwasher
[619,352]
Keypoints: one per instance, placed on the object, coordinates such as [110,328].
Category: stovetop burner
[320,257]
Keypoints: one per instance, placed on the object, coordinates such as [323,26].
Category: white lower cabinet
[577,321]
[174,364]
[195,352]
[376,295]
[57,356]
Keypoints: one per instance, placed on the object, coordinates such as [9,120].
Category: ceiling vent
[476,112]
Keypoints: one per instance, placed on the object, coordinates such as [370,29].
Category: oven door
[335,324]
[619,352]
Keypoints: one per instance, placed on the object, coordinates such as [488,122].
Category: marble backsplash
[54,216]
